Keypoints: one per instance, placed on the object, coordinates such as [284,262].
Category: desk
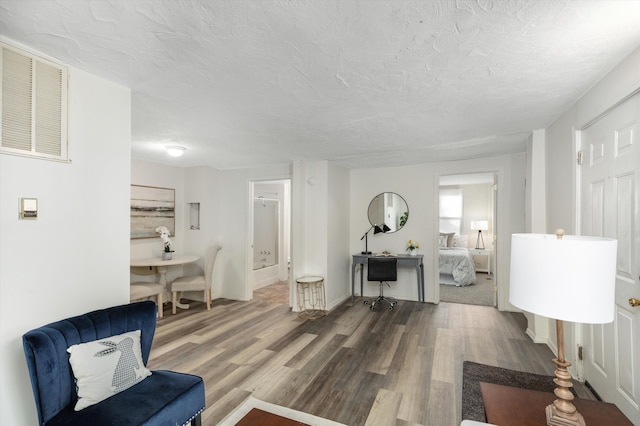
[403,260]
[162,266]
[505,405]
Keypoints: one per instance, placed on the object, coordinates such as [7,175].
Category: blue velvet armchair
[164,398]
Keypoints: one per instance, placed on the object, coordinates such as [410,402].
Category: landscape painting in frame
[152,207]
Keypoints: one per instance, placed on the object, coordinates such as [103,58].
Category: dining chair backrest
[209,261]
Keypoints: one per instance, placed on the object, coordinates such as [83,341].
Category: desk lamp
[376,230]
[567,278]
[479,225]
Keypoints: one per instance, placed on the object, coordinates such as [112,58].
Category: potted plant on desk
[412,247]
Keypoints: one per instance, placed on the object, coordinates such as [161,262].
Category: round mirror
[389,211]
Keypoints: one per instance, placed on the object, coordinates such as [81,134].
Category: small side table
[505,405]
[311,301]
[482,252]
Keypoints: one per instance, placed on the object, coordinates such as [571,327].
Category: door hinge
[580,353]
[579,158]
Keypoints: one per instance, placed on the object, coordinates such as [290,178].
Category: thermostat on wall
[28,208]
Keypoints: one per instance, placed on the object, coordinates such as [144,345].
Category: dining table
[162,266]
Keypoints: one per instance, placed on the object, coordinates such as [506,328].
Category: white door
[611,208]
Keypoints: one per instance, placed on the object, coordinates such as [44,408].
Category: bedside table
[482,252]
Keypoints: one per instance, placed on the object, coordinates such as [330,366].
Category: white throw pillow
[449,237]
[442,241]
[460,240]
[104,367]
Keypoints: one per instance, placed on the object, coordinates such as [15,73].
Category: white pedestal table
[162,266]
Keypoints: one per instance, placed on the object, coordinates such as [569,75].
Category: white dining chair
[139,290]
[197,282]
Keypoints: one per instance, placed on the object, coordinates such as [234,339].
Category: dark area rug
[473,374]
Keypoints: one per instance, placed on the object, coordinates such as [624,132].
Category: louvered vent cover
[34,106]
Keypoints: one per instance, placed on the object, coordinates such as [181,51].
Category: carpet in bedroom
[480,293]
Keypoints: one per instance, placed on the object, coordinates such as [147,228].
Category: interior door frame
[287,208]
[497,206]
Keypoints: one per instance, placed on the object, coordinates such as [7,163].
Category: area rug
[473,374]
[243,409]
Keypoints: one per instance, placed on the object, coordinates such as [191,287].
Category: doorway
[466,252]
[270,240]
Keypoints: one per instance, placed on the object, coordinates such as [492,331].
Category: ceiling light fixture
[175,151]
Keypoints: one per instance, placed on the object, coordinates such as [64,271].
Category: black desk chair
[382,269]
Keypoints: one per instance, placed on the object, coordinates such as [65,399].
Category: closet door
[611,208]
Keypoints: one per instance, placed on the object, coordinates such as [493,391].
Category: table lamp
[479,225]
[376,230]
[567,278]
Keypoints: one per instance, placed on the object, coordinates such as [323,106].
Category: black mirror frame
[402,218]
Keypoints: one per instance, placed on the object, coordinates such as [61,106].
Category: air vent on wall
[34,105]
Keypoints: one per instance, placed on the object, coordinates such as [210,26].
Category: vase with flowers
[412,247]
[167,253]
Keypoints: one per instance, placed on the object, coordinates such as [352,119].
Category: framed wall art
[152,207]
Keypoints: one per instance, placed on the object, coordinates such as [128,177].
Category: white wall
[320,226]
[203,185]
[337,284]
[419,185]
[192,185]
[75,257]
[561,156]
[535,213]
[309,221]
[161,176]
[477,206]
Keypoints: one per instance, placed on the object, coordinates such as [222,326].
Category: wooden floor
[354,366]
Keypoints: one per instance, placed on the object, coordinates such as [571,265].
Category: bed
[456,263]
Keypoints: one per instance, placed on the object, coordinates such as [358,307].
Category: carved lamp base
[556,418]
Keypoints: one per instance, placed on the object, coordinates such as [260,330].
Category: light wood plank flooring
[354,366]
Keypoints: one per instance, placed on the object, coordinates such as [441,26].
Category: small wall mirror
[389,211]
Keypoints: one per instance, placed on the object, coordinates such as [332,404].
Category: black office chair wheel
[366,302]
[391,307]
[373,307]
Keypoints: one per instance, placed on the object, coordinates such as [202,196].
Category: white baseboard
[535,338]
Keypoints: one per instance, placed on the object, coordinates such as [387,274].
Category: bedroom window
[451,210]
[34,105]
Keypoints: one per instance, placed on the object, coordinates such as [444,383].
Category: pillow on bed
[460,241]
[449,237]
[442,241]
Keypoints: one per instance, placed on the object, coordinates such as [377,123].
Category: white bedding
[456,266]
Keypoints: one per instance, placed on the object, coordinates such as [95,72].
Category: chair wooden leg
[207,295]
[175,302]
[160,305]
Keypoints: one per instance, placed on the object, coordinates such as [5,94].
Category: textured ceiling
[362,83]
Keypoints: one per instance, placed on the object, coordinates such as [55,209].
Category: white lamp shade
[479,225]
[570,279]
